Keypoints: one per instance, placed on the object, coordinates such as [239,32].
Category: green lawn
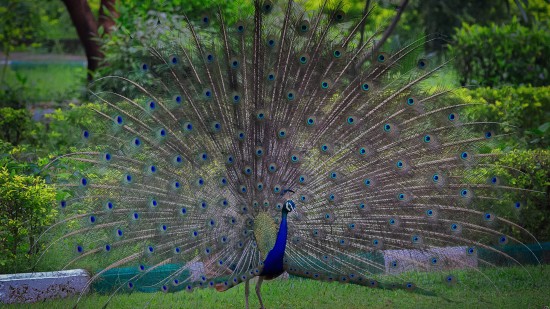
[516,289]
[46,82]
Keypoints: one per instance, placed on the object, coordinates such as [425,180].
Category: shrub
[15,125]
[525,110]
[530,171]
[26,206]
[501,55]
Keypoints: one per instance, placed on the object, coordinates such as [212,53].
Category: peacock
[285,141]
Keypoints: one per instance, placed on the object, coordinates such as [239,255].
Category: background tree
[89,29]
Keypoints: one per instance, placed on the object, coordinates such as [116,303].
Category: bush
[501,55]
[15,125]
[26,206]
[531,172]
[525,110]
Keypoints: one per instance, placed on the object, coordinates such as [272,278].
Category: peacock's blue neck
[273,264]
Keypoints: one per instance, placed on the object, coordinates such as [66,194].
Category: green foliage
[525,110]
[65,127]
[19,24]
[500,55]
[26,207]
[529,170]
[15,125]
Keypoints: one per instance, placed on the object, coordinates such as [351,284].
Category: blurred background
[52,49]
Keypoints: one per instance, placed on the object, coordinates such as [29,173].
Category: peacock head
[289,206]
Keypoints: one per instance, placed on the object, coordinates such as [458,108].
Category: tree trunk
[107,12]
[86,27]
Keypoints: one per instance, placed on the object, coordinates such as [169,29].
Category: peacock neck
[282,234]
[273,264]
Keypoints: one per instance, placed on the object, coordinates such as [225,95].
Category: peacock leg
[258,291]
[246,293]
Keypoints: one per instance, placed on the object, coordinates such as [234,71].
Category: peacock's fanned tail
[187,160]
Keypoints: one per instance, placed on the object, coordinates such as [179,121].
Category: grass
[517,288]
[46,82]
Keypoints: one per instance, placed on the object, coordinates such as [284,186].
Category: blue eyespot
[229,160]
[517,205]
[63,204]
[310,121]
[399,164]
[422,63]
[302,179]
[92,219]
[365,87]
[464,155]
[324,147]
[119,120]
[107,247]
[135,215]
[86,134]
[387,127]
[470,250]
[79,249]
[337,54]
[83,182]
[429,213]
[236,98]
[367,182]
[240,28]
[351,120]
[488,135]
[290,96]
[503,240]
[435,177]
[177,99]
[271,77]
[144,67]
[119,232]
[294,159]
[137,142]
[427,138]
[209,58]
[128,178]
[464,192]
[324,85]
[381,58]
[272,167]
[282,133]
[392,221]
[260,115]
[451,117]
[271,43]
[410,101]
[152,105]
[234,64]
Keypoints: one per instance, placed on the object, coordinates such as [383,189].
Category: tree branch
[386,34]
